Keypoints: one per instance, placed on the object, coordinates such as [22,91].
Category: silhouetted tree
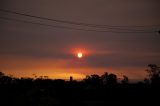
[154,73]
[5,79]
[104,77]
[146,81]
[2,74]
[35,76]
[125,79]
[112,79]
[93,79]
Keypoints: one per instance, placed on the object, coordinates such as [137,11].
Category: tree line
[92,91]
[153,77]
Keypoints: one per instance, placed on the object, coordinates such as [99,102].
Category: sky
[27,49]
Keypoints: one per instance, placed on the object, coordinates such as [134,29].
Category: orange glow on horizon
[62,68]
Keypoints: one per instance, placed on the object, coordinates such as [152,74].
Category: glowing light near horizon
[79,55]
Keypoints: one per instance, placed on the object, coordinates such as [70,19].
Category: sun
[79,55]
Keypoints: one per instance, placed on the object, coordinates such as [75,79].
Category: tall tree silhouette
[154,73]
[110,79]
[104,77]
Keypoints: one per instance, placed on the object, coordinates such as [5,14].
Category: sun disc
[80,55]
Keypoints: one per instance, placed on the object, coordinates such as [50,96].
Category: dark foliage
[154,73]
[94,90]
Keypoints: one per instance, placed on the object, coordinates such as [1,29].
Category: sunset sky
[27,49]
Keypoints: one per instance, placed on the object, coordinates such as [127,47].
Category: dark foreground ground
[58,92]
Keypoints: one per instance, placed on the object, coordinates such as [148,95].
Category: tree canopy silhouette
[154,73]
[125,79]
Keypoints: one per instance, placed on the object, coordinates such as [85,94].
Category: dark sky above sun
[27,49]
